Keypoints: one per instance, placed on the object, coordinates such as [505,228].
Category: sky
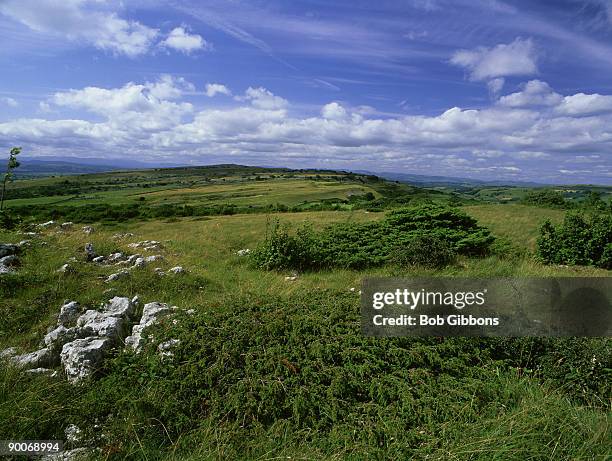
[480,89]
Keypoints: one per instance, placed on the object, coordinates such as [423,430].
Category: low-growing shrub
[425,250]
[437,233]
[284,250]
[579,240]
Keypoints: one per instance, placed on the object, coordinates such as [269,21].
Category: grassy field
[270,368]
[284,191]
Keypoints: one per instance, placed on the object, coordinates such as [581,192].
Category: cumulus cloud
[503,60]
[333,111]
[585,104]
[534,93]
[213,89]
[263,99]
[518,137]
[82,20]
[9,102]
[137,107]
[179,39]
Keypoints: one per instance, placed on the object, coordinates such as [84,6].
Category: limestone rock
[88,230]
[43,371]
[165,348]
[5,270]
[69,313]
[139,262]
[121,236]
[177,270]
[146,244]
[151,314]
[94,323]
[8,249]
[110,322]
[114,257]
[8,353]
[8,261]
[244,252]
[119,307]
[55,339]
[66,268]
[38,359]
[117,276]
[82,357]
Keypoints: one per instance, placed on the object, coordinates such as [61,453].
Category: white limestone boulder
[152,313]
[82,357]
[69,313]
[42,358]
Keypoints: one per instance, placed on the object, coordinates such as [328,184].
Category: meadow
[271,368]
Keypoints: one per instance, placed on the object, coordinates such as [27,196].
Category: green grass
[276,369]
[519,223]
[284,191]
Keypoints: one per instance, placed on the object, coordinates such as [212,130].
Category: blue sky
[480,88]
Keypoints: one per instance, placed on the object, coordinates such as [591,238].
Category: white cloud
[213,89]
[496,85]
[534,93]
[519,137]
[179,39]
[262,98]
[585,104]
[9,102]
[515,58]
[138,107]
[333,111]
[82,21]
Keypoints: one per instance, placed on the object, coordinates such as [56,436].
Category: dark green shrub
[425,250]
[284,250]
[579,240]
[358,246]
[546,198]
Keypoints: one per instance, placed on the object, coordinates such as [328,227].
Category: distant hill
[439,181]
[62,166]
[37,168]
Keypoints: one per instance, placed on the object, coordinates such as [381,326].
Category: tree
[8,176]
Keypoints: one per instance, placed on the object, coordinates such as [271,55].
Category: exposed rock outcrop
[69,313]
[82,357]
[117,276]
[152,313]
[42,358]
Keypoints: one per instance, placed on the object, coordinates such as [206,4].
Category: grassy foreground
[275,369]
